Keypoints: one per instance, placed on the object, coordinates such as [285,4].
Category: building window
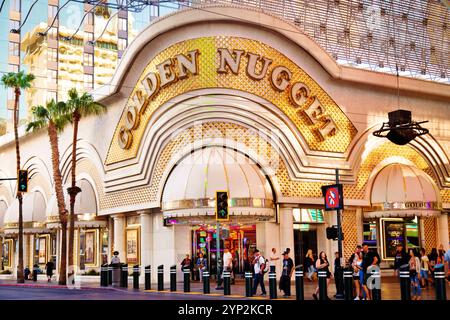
[14,5]
[13,68]
[14,24]
[88,59]
[52,55]
[52,10]
[123,24]
[121,44]
[53,32]
[52,75]
[90,18]
[308,215]
[13,49]
[89,81]
[88,36]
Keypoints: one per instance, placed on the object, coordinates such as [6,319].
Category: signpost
[221,215]
[334,200]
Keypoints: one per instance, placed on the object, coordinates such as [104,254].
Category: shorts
[424,274]
[366,277]
[356,277]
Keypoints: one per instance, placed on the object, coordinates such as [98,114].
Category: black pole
[187,280]
[405,282]
[248,284]
[35,273]
[226,283]
[272,283]
[104,275]
[439,280]
[339,280]
[173,278]
[323,285]
[206,285]
[124,276]
[136,277]
[148,277]
[161,278]
[348,284]
[110,272]
[299,284]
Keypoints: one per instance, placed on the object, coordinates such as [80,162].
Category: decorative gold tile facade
[208,77]
[430,230]
[350,230]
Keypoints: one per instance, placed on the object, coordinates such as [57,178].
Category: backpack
[266,266]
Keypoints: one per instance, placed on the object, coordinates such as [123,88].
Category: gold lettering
[131,117]
[151,84]
[329,129]
[226,59]
[280,78]
[251,66]
[186,65]
[299,94]
[166,73]
[125,138]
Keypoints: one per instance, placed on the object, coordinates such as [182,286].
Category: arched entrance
[188,199]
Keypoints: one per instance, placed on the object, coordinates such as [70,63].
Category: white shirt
[258,264]
[273,259]
[227,259]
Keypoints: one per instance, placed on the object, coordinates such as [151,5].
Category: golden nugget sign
[182,66]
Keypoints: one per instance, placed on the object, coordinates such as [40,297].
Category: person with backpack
[259,265]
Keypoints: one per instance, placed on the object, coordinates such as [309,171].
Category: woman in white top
[357,267]
[414,274]
[424,268]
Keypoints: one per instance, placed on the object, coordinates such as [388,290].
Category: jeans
[258,279]
[310,271]
[416,290]
[424,274]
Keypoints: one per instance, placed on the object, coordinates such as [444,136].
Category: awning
[33,209]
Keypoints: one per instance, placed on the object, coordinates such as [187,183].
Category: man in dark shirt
[288,269]
[401,258]
[370,258]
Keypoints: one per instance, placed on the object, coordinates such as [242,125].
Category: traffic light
[332,233]
[222,205]
[23,180]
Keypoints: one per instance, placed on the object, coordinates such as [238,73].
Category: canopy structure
[3,209]
[33,209]
[191,186]
[401,190]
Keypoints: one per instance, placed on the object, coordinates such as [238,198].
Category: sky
[70,16]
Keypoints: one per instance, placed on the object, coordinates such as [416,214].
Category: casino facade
[244,102]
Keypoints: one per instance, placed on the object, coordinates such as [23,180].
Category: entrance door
[304,240]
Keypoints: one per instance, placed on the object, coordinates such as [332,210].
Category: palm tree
[18,81]
[55,117]
[79,106]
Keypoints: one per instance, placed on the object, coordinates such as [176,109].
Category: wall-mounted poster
[89,257]
[6,252]
[42,255]
[394,234]
[133,246]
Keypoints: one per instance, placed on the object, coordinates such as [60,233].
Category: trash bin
[116,274]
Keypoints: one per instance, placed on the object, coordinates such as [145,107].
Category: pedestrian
[115,259]
[273,258]
[370,260]
[322,264]
[186,263]
[337,269]
[26,273]
[49,267]
[356,263]
[202,265]
[424,268]
[309,264]
[401,258]
[228,261]
[447,264]
[286,275]
[432,257]
[414,275]
[259,265]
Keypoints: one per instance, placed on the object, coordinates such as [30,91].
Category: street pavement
[10,290]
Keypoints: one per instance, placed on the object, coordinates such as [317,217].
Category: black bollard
[206,285]
[323,295]
[136,274]
[148,278]
[187,280]
[160,278]
[35,273]
[110,273]
[339,281]
[104,275]
[272,283]
[375,284]
[173,278]
[226,283]
[248,284]
[348,284]
[439,283]
[299,285]
[124,276]
[405,282]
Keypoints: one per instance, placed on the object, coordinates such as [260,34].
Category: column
[182,246]
[30,260]
[268,237]
[287,229]
[443,230]
[119,236]
[163,246]
[146,239]
[110,238]
[359,226]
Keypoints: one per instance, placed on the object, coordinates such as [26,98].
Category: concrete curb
[26,285]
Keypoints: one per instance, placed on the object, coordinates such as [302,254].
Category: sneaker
[263,294]
[357,298]
[315,296]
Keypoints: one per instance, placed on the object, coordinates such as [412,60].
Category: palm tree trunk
[73,191]
[20,278]
[53,137]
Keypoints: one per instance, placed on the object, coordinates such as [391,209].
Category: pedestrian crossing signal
[23,180]
[222,206]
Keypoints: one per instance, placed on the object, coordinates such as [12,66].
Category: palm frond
[36,125]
